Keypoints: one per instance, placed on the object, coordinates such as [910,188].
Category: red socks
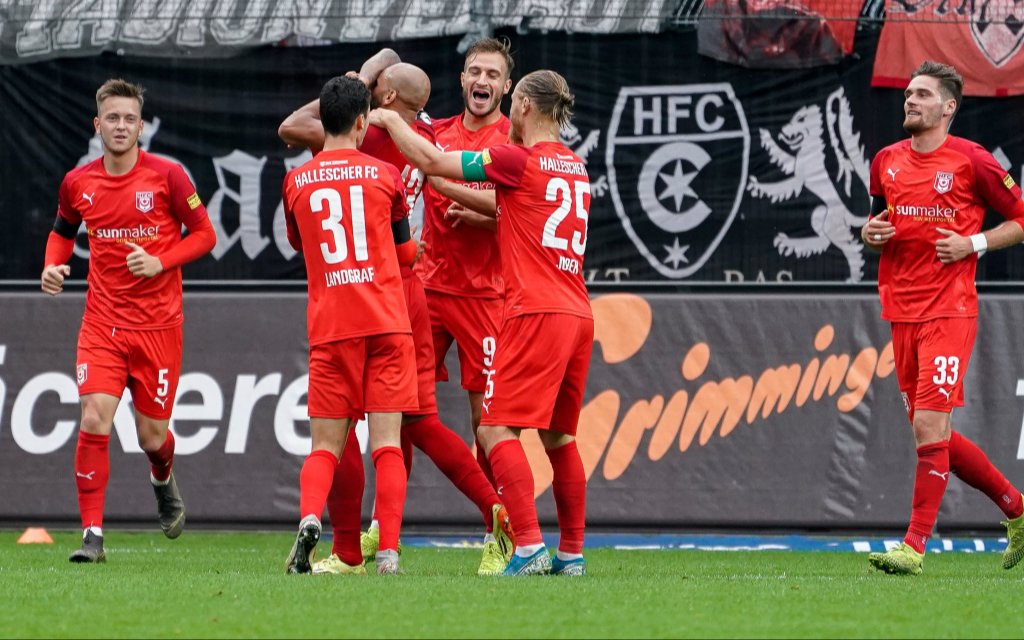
[391,483]
[406,453]
[569,486]
[515,486]
[315,482]
[160,461]
[406,460]
[452,456]
[345,503]
[929,487]
[485,464]
[971,465]
[92,470]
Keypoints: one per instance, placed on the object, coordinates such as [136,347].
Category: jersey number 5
[559,189]
[332,223]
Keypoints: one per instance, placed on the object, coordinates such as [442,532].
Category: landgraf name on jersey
[348,276]
[557,165]
[328,174]
[925,211]
[140,232]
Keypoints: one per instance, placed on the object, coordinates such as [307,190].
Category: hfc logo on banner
[677,165]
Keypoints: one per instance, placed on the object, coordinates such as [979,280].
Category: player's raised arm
[376,64]
[303,127]
[423,154]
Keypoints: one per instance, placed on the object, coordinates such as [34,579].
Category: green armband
[473,166]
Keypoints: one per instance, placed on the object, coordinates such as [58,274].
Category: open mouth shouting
[480,98]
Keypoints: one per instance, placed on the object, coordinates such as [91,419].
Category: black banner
[702,410]
[702,171]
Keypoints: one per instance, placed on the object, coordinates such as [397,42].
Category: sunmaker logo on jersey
[677,164]
[929,212]
[143,232]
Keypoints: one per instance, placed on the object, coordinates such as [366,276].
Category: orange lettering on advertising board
[622,324]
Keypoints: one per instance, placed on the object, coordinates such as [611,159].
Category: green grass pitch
[218,585]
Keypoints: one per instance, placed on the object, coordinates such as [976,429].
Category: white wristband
[979,242]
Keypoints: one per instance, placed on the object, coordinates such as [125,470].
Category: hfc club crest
[144,201]
[943,181]
[998,28]
[677,164]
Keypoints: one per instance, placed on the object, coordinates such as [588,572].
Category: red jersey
[145,206]
[543,203]
[949,188]
[463,260]
[338,211]
[378,143]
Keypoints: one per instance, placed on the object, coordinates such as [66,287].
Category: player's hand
[53,278]
[952,246]
[142,264]
[355,76]
[420,245]
[878,231]
[456,214]
[378,117]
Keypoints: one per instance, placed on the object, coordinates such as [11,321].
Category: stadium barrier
[700,411]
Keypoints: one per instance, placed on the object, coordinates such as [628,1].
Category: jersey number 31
[332,224]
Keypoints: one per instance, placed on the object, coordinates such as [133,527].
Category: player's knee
[554,439]
[150,442]
[92,422]
[489,436]
[95,420]
[930,427]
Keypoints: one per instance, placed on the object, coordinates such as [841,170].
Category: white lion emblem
[804,159]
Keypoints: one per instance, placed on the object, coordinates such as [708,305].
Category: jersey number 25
[332,224]
[560,190]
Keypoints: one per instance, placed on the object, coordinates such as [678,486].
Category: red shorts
[147,362]
[931,362]
[372,373]
[419,317]
[540,372]
[472,323]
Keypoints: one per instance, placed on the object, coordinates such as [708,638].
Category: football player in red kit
[929,197]
[405,89]
[339,208]
[544,345]
[133,204]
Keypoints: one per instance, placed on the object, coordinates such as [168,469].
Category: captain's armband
[473,166]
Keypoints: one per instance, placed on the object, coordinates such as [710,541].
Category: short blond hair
[118,88]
